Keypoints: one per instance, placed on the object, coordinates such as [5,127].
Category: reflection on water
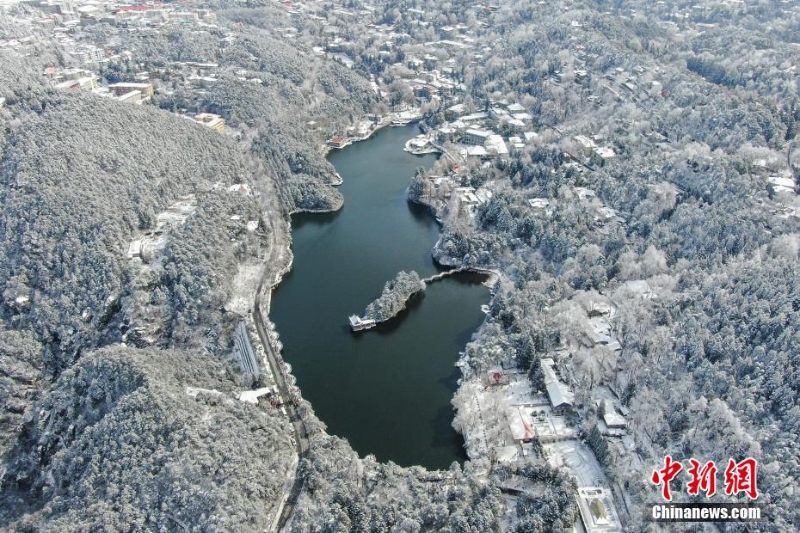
[386,390]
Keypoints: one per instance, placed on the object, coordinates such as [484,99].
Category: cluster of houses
[532,418]
[541,427]
[429,77]
[486,135]
[591,149]
[137,92]
[64,20]
[85,80]
[74,12]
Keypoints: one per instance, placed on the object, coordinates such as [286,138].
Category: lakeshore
[401,378]
[395,119]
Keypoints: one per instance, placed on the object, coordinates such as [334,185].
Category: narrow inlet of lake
[386,390]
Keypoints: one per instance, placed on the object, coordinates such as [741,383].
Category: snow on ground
[194,391]
[469,418]
[602,392]
[578,460]
[518,392]
[509,517]
[548,425]
[244,287]
[251,396]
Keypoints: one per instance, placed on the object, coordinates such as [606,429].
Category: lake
[386,390]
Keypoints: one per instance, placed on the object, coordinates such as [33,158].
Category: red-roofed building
[496,376]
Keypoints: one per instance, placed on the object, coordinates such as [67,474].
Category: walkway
[269,279]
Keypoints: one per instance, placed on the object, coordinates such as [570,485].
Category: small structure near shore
[422,144]
[337,142]
[357,323]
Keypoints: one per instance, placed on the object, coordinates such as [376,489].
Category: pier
[358,323]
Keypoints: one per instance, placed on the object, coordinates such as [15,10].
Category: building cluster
[65,22]
[506,421]
[483,135]
[72,78]
[70,13]
[430,77]
[535,427]
[135,92]
[87,80]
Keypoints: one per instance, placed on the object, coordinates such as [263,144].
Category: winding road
[269,279]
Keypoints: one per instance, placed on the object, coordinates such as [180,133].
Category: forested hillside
[345,493]
[81,176]
[113,438]
[21,382]
[289,101]
[118,443]
[642,217]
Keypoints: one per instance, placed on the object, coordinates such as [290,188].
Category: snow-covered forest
[394,296]
[89,441]
[644,225]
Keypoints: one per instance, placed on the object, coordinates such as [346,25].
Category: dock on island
[358,323]
[394,297]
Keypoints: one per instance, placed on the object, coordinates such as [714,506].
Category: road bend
[268,280]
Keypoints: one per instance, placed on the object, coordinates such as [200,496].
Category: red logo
[665,475]
[703,479]
[739,477]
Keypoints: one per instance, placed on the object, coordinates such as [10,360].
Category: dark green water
[386,390]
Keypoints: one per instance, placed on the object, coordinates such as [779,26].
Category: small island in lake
[392,300]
